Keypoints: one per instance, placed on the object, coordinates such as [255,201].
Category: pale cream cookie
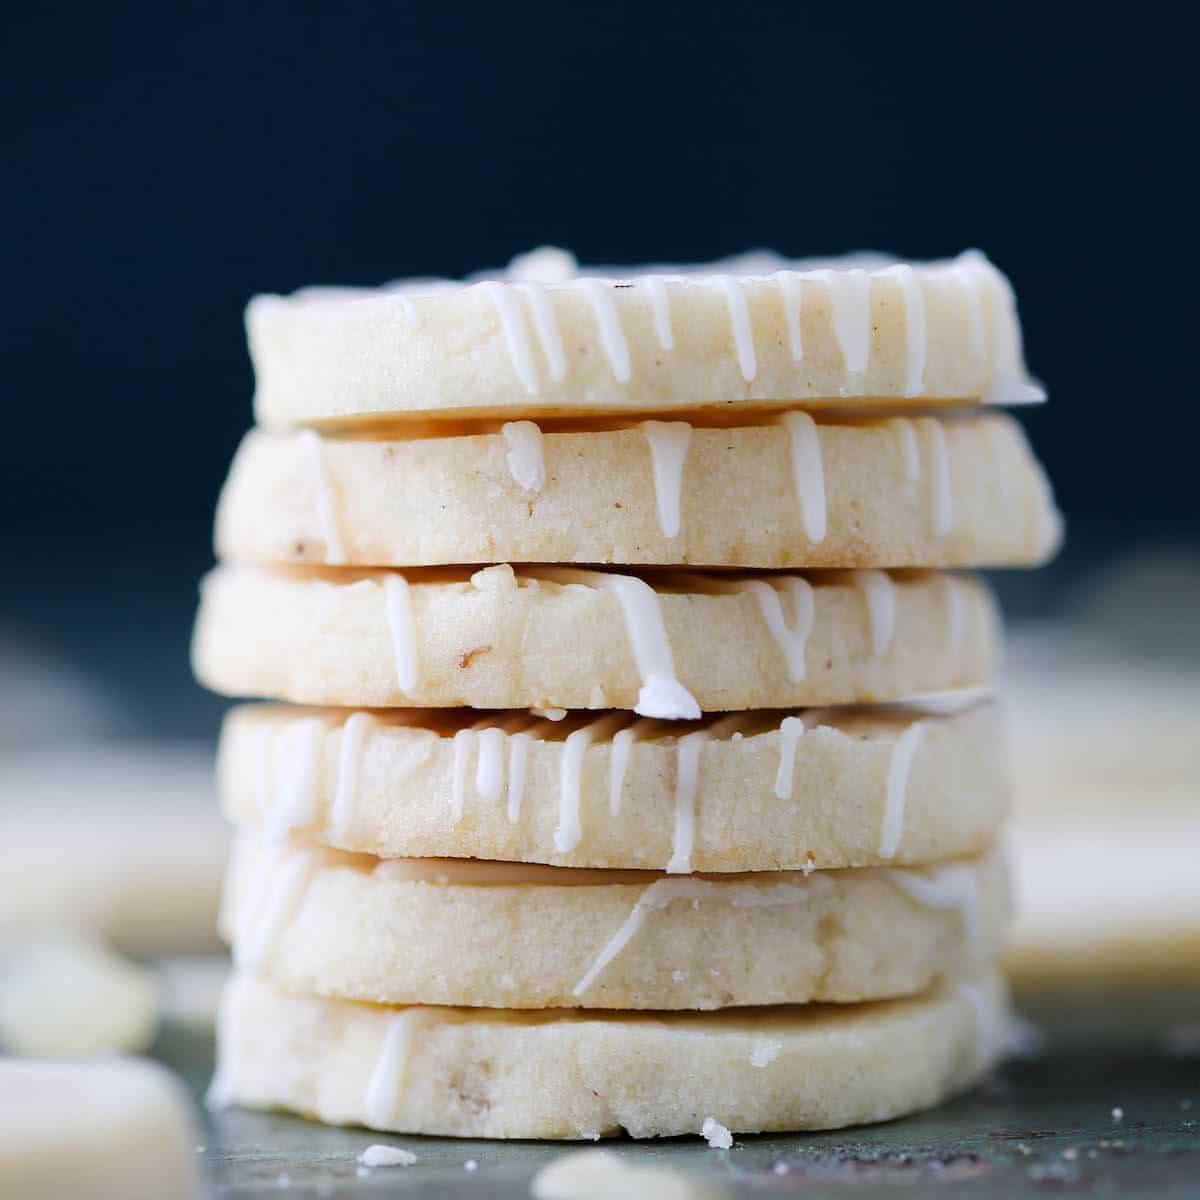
[553,1074]
[753,332]
[115,1129]
[928,492]
[555,637]
[519,936]
[820,788]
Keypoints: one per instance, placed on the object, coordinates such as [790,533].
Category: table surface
[1044,1123]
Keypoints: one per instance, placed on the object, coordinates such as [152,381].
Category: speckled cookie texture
[667,647]
[899,493]
[501,1074]
[770,791]
[542,341]
[428,931]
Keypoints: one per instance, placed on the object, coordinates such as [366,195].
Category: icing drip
[387,1079]
[335,552]
[612,338]
[915,339]
[515,337]
[850,302]
[880,595]
[791,730]
[808,473]
[622,744]
[549,714]
[661,694]
[739,321]
[668,441]
[489,769]
[661,303]
[952,600]
[546,328]
[518,758]
[939,460]
[300,760]
[953,885]
[791,641]
[398,601]
[570,828]
[525,460]
[458,774]
[666,891]
[908,448]
[284,882]
[790,288]
[353,747]
[903,753]
[687,770]
[970,283]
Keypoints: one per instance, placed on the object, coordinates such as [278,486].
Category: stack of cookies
[637,769]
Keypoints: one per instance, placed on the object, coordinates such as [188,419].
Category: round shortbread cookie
[518,936]
[561,638]
[899,493]
[824,788]
[758,331]
[554,1074]
[117,1129]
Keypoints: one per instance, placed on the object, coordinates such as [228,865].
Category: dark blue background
[164,161]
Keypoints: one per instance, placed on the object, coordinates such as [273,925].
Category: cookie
[789,493]
[553,1074]
[759,332]
[518,936]
[820,788]
[564,638]
[116,1129]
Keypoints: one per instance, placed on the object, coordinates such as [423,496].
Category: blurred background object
[164,162]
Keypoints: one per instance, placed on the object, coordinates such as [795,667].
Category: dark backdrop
[163,161]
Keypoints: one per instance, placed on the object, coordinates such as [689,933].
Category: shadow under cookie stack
[685,822]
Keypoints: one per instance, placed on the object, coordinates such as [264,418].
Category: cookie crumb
[386,1156]
[470,1165]
[1118,1114]
[715,1134]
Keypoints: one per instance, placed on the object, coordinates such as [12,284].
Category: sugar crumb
[715,1134]
[386,1156]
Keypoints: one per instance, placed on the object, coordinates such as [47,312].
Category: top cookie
[544,340]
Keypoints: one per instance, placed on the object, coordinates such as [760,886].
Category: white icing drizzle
[908,448]
[546,327]
[299,766]
[518,759]
[354,739]
[570,828]
[489,769]
[668,442]
[970,282]
[791,289]
[387,1078]
[850,302]
[915,338]
[612,338]
[515,337]
[398,602]
[549,714]
[458,773]
[939,471]
[903,753]
[335,552]
[953,602]
[622,745]
[526,462]
[739,322]
[666,891]
[791,730]
[661,693]
[952,885]
[792,640]
[808,473]
[661,303]
[687,771]
[283,885]
[880,594]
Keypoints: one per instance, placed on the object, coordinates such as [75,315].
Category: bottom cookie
[568,1074]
